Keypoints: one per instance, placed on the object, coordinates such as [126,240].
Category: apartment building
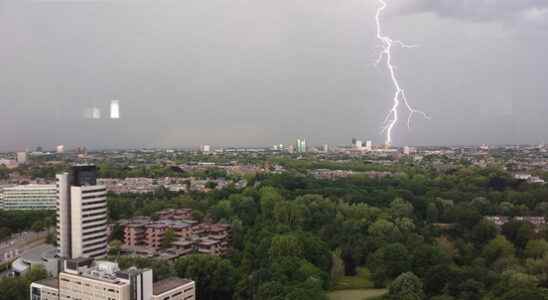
[86,279]
[29,197]
[81,214]
[143,236]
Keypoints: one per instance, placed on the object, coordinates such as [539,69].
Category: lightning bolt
[392,118]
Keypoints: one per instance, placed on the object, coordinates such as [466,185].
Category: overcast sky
[259,72]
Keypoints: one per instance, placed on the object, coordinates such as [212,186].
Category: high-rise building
[326,148]
[21,157]
[29,197]
[115,109]
[81,214]
[359,145]
[301,146]
[205,148]
[96,113]
[60,149]
[369,146]
[85,279]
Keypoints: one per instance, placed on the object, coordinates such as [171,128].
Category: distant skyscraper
[60,149]
[369,146]
[359,145]
[95,113]
[301,146]
[205,148]
[326,148]
[115,109]
[82,214]
[21,157]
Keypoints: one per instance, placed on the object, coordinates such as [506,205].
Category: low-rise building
[143,236]
[85,279]
[30,197]
[537,222]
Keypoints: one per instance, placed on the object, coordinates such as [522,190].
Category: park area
[364,294]
[357,287]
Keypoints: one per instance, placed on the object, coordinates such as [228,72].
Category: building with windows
[81,214]
[85,279]
[29,197]
[301,146]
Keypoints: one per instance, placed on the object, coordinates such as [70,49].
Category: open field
[358,282]
[355,294]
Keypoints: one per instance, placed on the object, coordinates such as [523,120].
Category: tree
[401,208]
[382,232]
[536,248]
[406,287]
[169,237]
[498,248]
[526,294]
[350,262]
[388,262]
[337,267]
[215,277]
[115,247]
[286,245]
[518,232]
[483,232]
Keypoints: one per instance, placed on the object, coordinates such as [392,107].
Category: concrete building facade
[85,279]
[29,197]
[82,214]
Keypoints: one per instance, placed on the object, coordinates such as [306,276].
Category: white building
[205,148]
[21,157]
[115,109]
[369,146]
[88,280]
[60,149]
[30,197]
[82,214]
[301,146]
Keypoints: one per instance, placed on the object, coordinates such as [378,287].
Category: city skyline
[251,74]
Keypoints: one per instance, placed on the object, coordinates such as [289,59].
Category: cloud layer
[534,11]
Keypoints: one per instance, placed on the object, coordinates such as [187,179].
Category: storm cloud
[261,72]
[534,11]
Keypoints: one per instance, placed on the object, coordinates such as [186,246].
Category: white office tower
[82,214]
[359,145]
[369,146]
[326,148]
[115,109]
[60,149]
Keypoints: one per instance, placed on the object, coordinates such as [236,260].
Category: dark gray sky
[259,72]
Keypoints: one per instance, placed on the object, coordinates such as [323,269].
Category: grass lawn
[358,282]
[356,294]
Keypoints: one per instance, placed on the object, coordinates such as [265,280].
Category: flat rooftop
[51,282]
[168,284]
